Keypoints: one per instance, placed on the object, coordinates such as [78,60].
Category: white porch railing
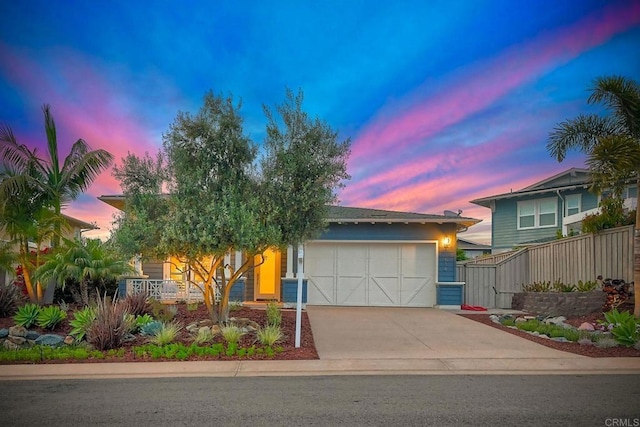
[166,290]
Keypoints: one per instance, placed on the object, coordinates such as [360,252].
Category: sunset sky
[444,101]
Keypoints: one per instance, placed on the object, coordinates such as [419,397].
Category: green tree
[55,183]
[88,262]
[34,189]
[218,200]
[611,143]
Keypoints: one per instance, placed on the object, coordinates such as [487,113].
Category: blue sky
[444,101]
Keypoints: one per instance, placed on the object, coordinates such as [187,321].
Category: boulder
[19,341]
[32,335]
[68,340]
[586,326]
[10,346]
[4,333]
[52,340]
[216,329]
[558,320]
[18,331]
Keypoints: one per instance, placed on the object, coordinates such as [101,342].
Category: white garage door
[371,274]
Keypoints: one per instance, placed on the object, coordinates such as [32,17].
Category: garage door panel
[414,289]
[383,290]
[321,289]
[351,290]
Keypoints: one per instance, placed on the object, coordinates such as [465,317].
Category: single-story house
[366,257]
[538,212]
[74,231]
[473,249]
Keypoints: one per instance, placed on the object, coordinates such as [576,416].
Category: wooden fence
[492,281]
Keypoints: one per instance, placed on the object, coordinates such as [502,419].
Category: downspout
[564,226]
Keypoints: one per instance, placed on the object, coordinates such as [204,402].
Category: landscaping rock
[586,326]
[18,331]
[68,340]
[244,323]
[495,319]
[4,333]
[50,340]
[520,320]
[32,335]
[216,329]
[560,339]
[559,320]
[19,341]
[10,346]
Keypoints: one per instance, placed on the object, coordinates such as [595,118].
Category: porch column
[227,261]
[289,274]
[238,262]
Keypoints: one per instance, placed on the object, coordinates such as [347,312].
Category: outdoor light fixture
[446,242]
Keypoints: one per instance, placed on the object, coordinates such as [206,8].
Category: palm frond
[581,133]
[622,96]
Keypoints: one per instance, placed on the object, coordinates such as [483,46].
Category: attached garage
[361,273]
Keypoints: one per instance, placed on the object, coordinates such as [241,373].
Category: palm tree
[33,189]
[59,184]
[612,145]
[87,262]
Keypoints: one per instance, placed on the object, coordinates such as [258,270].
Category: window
[573,204]
[537,213]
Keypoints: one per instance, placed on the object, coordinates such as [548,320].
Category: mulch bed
[571,347]
[306,351]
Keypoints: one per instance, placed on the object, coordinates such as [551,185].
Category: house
[537,213]
[472,249]
[365,257]
[73,232]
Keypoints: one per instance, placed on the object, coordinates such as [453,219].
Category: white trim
[536,213]
[566,203]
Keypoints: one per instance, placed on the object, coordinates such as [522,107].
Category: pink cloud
[486,82]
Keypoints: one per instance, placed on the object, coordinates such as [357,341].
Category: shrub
[9,298]
[81,322]
[606,342]
[167,333]
[50,317]
[235,305]
[143,320]
[558,286]
[151,328]
[203,336]
[27,315]
[274,315]
[612,214]
[164,313]
[537,287]
[137,304]
[587,286]
[192,306]
[270,335]
[231,334]
[110,327]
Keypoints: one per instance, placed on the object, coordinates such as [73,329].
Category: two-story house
[536,213]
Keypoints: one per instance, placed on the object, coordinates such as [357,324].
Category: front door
[267,276]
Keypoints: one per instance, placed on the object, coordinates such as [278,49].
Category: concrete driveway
[342,333]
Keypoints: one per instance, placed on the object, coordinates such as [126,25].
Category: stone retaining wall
[568,304]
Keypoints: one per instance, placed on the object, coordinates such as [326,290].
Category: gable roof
[469,245]
[83,225]
[570,179]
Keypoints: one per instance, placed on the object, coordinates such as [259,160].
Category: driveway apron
[342,333]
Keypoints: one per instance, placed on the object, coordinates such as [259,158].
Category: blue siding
[504,220]
[290,290]
[447,265]
[368,231]
[450,295]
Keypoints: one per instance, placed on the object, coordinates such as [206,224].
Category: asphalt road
[596,400]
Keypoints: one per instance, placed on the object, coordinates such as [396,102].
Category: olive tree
[209,191]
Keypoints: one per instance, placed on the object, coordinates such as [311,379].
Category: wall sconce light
[446,242]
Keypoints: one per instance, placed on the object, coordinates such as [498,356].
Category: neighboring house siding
[505,233]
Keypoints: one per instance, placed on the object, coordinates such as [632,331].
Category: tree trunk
[636,255]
